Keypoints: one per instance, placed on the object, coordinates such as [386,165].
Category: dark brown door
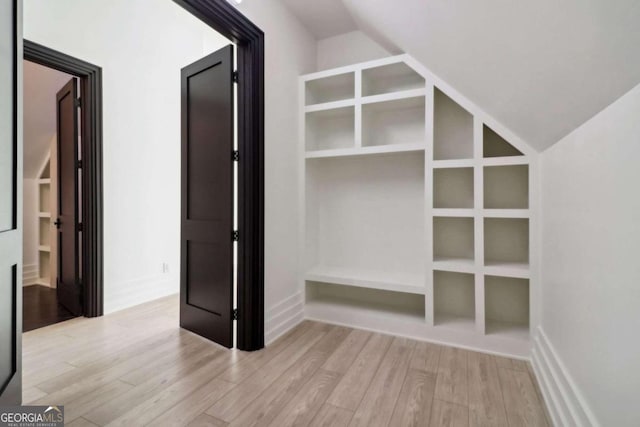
[68,281]
[10,234]
[206,278]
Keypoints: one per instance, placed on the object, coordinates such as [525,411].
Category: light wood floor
[136,367]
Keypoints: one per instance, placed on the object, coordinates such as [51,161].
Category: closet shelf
[464,213]
[44,214]
[43,248]
[394,96]
[325,106]
[453,321]
[455,163]
[460,265]
[506,213]
[505,161]
[387,281]
[44,181]
[507,269]
[510,330]
[362,151]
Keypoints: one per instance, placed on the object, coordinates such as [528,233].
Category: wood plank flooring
[136,368]
[40,308]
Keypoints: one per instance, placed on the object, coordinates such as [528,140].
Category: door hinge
[234,314]
[79,164]
[235,156]
[235,235]
[236,78]
[80,227]
[77,102]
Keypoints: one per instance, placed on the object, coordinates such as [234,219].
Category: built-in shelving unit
[416,209]
[44,225]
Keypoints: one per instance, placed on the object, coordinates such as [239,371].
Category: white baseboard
[566,404]
[283,316]
[29,274]
[135,292]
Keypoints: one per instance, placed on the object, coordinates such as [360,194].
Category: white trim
[567,406]
[29,274]
[283,317]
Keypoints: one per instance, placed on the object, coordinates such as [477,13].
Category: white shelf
[507,306]
[390,78]
[44,214]
[330,129]
[365,151]
[464,213]
[453,188]
[513,269]
[453,238]
[324,298]
[43,248]
[506,241]
[506,187]
[506,213]
[456,163]
[44,181]
[496,146]
[505,161]
[327,106]
[452,129]
[330,88]
[509,330]
[396,120]
[389,281]
[395,96]
[452,321]
[461,265]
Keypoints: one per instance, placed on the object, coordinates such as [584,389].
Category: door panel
[206,282]
[10,213]
[68,281]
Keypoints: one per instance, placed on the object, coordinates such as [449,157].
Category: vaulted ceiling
[541,68]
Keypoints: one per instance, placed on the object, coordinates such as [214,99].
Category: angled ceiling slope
[540,68]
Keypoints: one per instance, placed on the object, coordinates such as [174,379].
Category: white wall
[141,56]
[346,49]
[141,59]
[591,270]
[290,51]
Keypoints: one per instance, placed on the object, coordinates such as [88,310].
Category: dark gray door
[206,281]
[10,228]
[68,281]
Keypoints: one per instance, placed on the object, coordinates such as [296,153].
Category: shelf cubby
[506,187]
[506,242]
[366,214]
[45,195]
[453,240]
[330,129]
[494,145]
[325,297]
[400,121]
[452,129]
[454,299]
[43,259]
[330,89]
[390,78]
[453,188]
[507,306]
[44,232]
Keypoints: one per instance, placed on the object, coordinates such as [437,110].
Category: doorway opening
[68,231]
[44,298]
